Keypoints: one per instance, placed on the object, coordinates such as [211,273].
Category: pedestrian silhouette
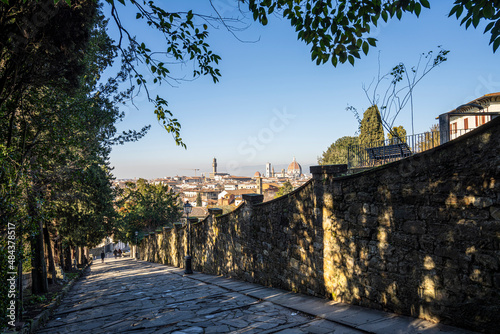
[102,256]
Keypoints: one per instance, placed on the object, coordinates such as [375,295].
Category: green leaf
[385,17]
[365,47]
[488,11]
[372,41]
[334,60]
[453,10]
[425,3]
[418,9]
[489,26]
[467,24]
[351,60]
[475,21]
[496,44]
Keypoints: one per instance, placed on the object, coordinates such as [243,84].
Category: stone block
[487,261]
[215,211]
[495,212]
[330,170]
[427,242]
[448,252]
[253,198]
[413,227]
[482,202]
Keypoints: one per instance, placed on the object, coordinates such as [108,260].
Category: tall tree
[337,152]
[146,207]
[198,199]
[371,131]
[397,135]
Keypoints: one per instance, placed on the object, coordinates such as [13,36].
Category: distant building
[193,179]
[468,116]
[294,169]
[268,169]
[231,186]
[198,212]
[216,175]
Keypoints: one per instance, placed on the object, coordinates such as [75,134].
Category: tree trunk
[67,259]
[52,267]
[80,255]
[20,297]
[39,271]
[61,254]
[39,283]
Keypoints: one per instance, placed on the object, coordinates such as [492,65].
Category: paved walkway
[129,296]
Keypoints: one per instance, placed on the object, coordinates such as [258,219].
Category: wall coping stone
[215,211]
[253,198]
[334,170]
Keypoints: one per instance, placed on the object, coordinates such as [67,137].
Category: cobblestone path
[128,296]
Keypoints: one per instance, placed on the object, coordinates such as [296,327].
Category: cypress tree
[372,132]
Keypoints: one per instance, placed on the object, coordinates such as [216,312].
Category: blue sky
[273,103]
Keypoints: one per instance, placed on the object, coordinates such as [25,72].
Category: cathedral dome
[294,168]
[257,174]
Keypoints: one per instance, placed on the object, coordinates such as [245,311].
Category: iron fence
[381,152]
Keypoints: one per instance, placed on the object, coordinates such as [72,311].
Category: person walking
[115,252]
[103,255]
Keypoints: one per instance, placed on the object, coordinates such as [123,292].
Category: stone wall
[419,237]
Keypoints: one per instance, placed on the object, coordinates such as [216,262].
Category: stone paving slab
[129,296]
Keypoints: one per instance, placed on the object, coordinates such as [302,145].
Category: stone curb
[34,324]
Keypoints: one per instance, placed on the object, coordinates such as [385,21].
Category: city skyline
[247,171]
[273,103]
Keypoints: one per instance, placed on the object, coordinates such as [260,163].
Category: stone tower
[214,165]
[259,186]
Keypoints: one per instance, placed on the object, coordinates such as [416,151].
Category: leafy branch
[400,83]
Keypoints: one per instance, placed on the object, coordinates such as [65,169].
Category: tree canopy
[337,151]
[371,130]
[285,189]
[397,135]
[339,31]
[146,207]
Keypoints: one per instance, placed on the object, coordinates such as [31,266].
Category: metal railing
[362,156]
[358,156]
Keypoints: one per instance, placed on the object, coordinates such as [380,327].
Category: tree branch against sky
[336,31]
[339,31]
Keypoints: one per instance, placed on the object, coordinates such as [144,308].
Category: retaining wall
[419,237]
